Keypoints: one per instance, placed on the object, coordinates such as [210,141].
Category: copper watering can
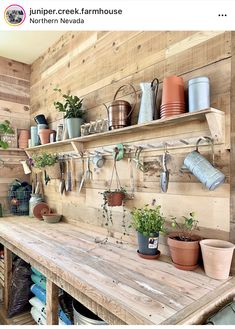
[119,111]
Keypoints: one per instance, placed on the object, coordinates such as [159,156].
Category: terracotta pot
[217,257]
[115,199]
[44,135]
[173,90]
[24,135]
[184,254]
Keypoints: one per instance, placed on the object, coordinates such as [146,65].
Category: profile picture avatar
[14,15]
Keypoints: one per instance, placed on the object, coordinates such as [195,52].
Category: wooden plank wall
[14,106]
[93,65]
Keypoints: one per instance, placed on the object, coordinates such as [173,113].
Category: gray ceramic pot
[74,127]
[148,245]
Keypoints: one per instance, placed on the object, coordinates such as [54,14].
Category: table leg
[7,276]
[51,303]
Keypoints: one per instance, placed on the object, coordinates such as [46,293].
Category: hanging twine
[115,171]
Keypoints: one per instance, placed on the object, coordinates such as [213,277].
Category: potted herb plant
[49,162]
[74,114]
[148,222]
[5,128]
[183,244]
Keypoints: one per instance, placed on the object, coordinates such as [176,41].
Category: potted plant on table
[49,162]
[5,128]
[183,244]
[148,222]
[73,113]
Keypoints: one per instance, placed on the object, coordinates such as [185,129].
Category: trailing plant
[5,128]
[71,107]
[148,220]
[186,228]
[44,159]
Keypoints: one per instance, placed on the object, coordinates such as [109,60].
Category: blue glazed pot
[148,245]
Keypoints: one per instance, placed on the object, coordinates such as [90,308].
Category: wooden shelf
[213,117]
[21,319]
[12,150]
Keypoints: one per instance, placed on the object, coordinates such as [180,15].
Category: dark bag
[225,316]
[20,288]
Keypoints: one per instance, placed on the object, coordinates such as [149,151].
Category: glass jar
[35,199]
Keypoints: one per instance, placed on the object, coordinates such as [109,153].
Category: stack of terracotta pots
[173,98]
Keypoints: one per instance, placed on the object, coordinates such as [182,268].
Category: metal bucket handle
[211,142]
[127,85]
[156,92]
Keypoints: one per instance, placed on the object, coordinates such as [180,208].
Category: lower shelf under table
[21,319]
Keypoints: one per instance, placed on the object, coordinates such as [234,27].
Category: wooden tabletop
[111,275]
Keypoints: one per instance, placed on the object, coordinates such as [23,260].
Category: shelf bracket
[78,147]
[216,123]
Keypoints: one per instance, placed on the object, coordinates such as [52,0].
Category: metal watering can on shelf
[119,111]
[148,100]
[200,167]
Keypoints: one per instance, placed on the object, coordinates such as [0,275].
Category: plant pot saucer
[185,267]
[149,256]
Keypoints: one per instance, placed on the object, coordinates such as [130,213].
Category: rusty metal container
[119,111]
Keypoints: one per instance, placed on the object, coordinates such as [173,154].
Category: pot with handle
[148,100]
[119,111]
[200,167]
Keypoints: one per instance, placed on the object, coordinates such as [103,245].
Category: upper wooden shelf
[213,117]
[12,150]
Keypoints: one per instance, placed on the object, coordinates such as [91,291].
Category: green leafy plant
[71,107]
[148,220]
[5,128]
[185,228]
[44,159]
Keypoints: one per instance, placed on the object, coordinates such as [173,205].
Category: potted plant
[5,128]
[73,113]
[148,222]
[49,162]
[183,244]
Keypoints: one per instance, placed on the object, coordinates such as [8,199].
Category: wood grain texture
[104,61]
[51,303]
[117,285]
[7,276]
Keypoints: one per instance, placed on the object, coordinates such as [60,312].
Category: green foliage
[5,128]
[44,159]
[185,228]
[148,220]
[71,107]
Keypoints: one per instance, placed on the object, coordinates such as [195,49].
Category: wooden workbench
[109,278]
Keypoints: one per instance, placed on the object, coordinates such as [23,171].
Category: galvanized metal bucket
[201,168]
[83,316]
[199,94]
[119,111]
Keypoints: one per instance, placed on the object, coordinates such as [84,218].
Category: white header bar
[117,15]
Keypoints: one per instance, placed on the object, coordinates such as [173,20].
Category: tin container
[201,168]
[199,94]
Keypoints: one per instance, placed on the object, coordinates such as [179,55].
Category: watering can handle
[155,96]
[209,140]
[128,85]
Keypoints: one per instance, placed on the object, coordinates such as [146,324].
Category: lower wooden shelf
[21,319]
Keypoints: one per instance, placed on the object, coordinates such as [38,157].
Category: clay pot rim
[172,111]
[173,77]
[175,234]
[229,246]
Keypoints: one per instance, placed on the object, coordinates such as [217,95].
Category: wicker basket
[54,171]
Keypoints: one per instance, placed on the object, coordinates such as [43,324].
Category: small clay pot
[115,199]
[173,90]
[184,254]
[24,135]
[44,135]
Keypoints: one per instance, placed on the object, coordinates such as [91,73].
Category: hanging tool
[164,177]
[140,165]
[62,180]
[69,180]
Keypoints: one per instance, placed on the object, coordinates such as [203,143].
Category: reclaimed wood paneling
[93,65]
[14,106]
